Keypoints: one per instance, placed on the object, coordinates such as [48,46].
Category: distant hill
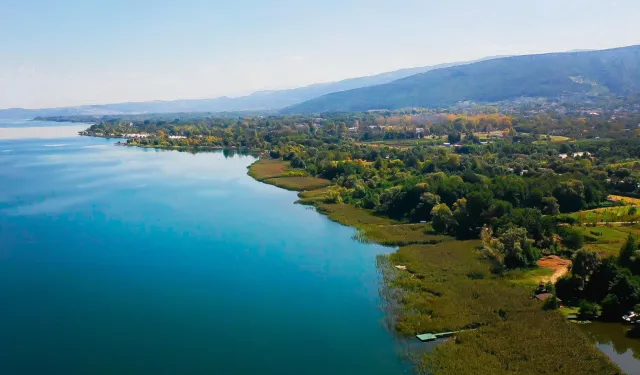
[608,72]
[259,101]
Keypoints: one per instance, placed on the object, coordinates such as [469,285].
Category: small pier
[427,337]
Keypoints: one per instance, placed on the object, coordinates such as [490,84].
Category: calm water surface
[117,260]
[612,340]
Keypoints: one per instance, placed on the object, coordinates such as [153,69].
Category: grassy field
[529,278]
[566,311]
[627,200]
[381,230]
[449,287]
[607,241]
[313,197]
[485,135]
[268,168]
[298,183]
[608,215]
[560,139]
[277,172]
[553,139]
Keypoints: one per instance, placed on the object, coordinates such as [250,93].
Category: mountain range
[577,74]
[588,73]
[259,101]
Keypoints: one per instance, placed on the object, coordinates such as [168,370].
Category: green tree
[423,210]
[568,288]
[611,308]
[628,251]
[550,206]
[588,309]
[601,279]
[516,249]
[454,137]
[442,219]
[623,295]
[572,238]
[570,195]
[585,262]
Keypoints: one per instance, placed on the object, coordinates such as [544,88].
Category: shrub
[275,154]
[588,309]
[611,308]
[572,238]
[551,303]
[568,288]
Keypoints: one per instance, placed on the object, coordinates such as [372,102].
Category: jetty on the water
[426,337]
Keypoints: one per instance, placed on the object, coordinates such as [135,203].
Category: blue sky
[72,52]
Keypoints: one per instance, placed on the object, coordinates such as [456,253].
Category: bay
[117,260]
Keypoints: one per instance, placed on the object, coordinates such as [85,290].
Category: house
[581,154]
[574,155]
[136,135]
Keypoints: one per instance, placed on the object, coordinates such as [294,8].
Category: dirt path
[558,265]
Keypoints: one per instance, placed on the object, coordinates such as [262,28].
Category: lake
[117,260]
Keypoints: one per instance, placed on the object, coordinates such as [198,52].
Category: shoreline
[411,266]
[173,148]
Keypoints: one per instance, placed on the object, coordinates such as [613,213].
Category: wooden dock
[426,337]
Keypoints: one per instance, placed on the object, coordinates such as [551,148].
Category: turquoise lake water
[118,260]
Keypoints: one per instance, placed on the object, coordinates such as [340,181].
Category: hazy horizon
[75,53]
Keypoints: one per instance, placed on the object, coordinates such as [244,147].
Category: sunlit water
[117,260]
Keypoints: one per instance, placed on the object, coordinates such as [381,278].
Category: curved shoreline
[445,271]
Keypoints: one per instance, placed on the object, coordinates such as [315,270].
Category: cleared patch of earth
[559,266]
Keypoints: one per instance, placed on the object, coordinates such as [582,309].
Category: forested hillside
[595,73]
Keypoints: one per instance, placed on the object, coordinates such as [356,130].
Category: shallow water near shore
[118,260]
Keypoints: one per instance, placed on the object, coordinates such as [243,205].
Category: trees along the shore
[442,219]
[584,263]
[624,294]
[609,282]
[512,249]
[518,251]
[601,279]
[588,309]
